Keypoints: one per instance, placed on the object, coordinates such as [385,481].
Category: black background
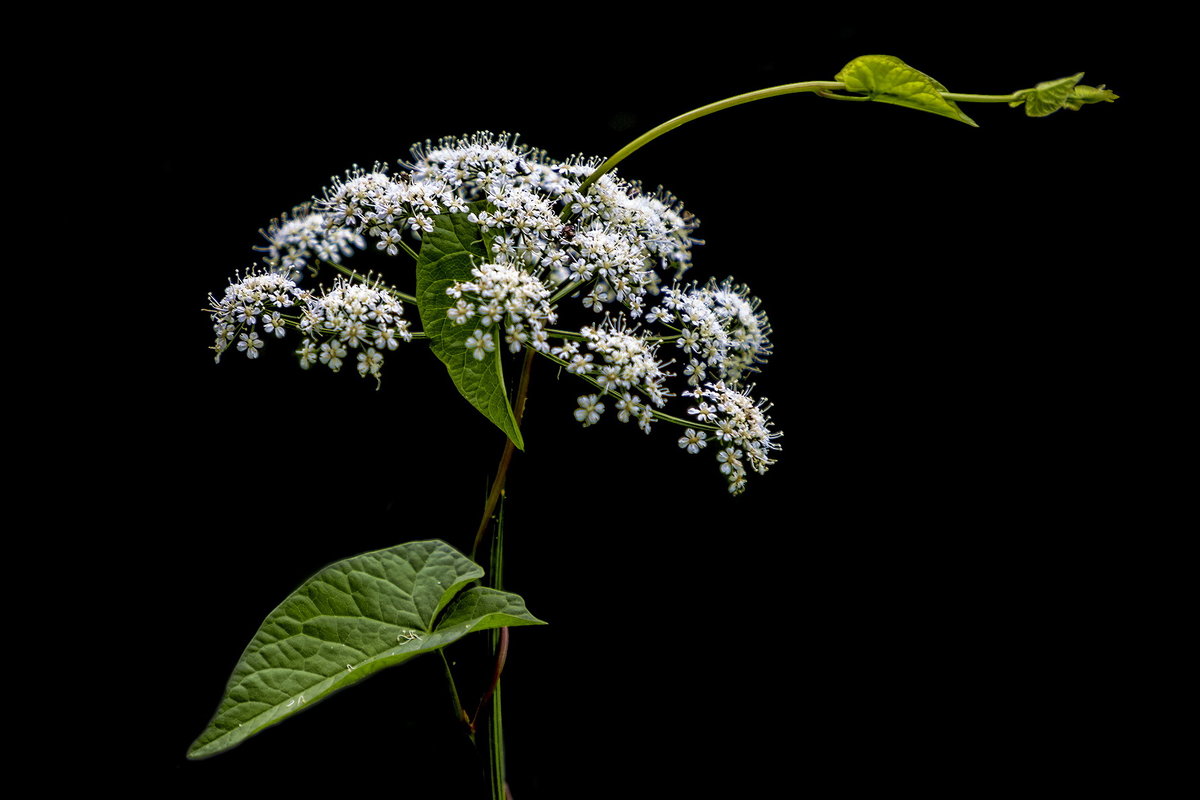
[909,598]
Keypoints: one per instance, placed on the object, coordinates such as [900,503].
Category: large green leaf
[352,619]
[887,79]
[446,256]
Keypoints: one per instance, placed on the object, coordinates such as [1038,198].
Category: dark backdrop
[906,599]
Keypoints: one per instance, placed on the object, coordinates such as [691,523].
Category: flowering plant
[514,253]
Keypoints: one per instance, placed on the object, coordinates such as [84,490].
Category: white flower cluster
[294,242]
[615,239]
[349,315]
[743,431]
[260,296]
[613,247]
[505,293]
[721,330]
[384,207]
[629,365]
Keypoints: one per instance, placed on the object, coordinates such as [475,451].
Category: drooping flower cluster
[743,431]
[347,316]
[549,233]
[629,369]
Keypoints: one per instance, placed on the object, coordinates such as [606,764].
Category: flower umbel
[347,315]
[550,235]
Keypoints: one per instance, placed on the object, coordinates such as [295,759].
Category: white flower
[353,332]
[250,344]
[730,460]
[590,409]
[515,338]
[581,363]
[370,362]
[390,241]
[274,324]
[703,412]
[480,343]
[628,406]
[308,354]
[332,354]
[460,312]
[693,441]
[385,338]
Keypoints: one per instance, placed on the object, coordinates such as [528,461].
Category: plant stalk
[489,507]
[711,108]
[979,98]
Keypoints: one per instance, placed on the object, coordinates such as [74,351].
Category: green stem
[500,646]
[566,290]
[711,108]
[683,119]
[408,298]
[498,641]
[459,713]
[405,246]
[661,416]
[506,457]
[979,98]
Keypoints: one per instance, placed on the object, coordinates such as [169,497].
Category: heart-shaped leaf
[887,79]
[446,256]
[352,619]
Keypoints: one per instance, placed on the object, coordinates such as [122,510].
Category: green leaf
[445,257]
[1048,96]
[887,79]
[350,620]
[1085,95]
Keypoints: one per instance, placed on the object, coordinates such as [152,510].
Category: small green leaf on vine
[1049,96]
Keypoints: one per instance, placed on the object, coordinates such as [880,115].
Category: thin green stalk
[408,298]
[683,119]
[499,783]
[658,415]
[497,638]
[406,248]
[498,641]
[566,290]
[711,108]
[459,713]
[979,98]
